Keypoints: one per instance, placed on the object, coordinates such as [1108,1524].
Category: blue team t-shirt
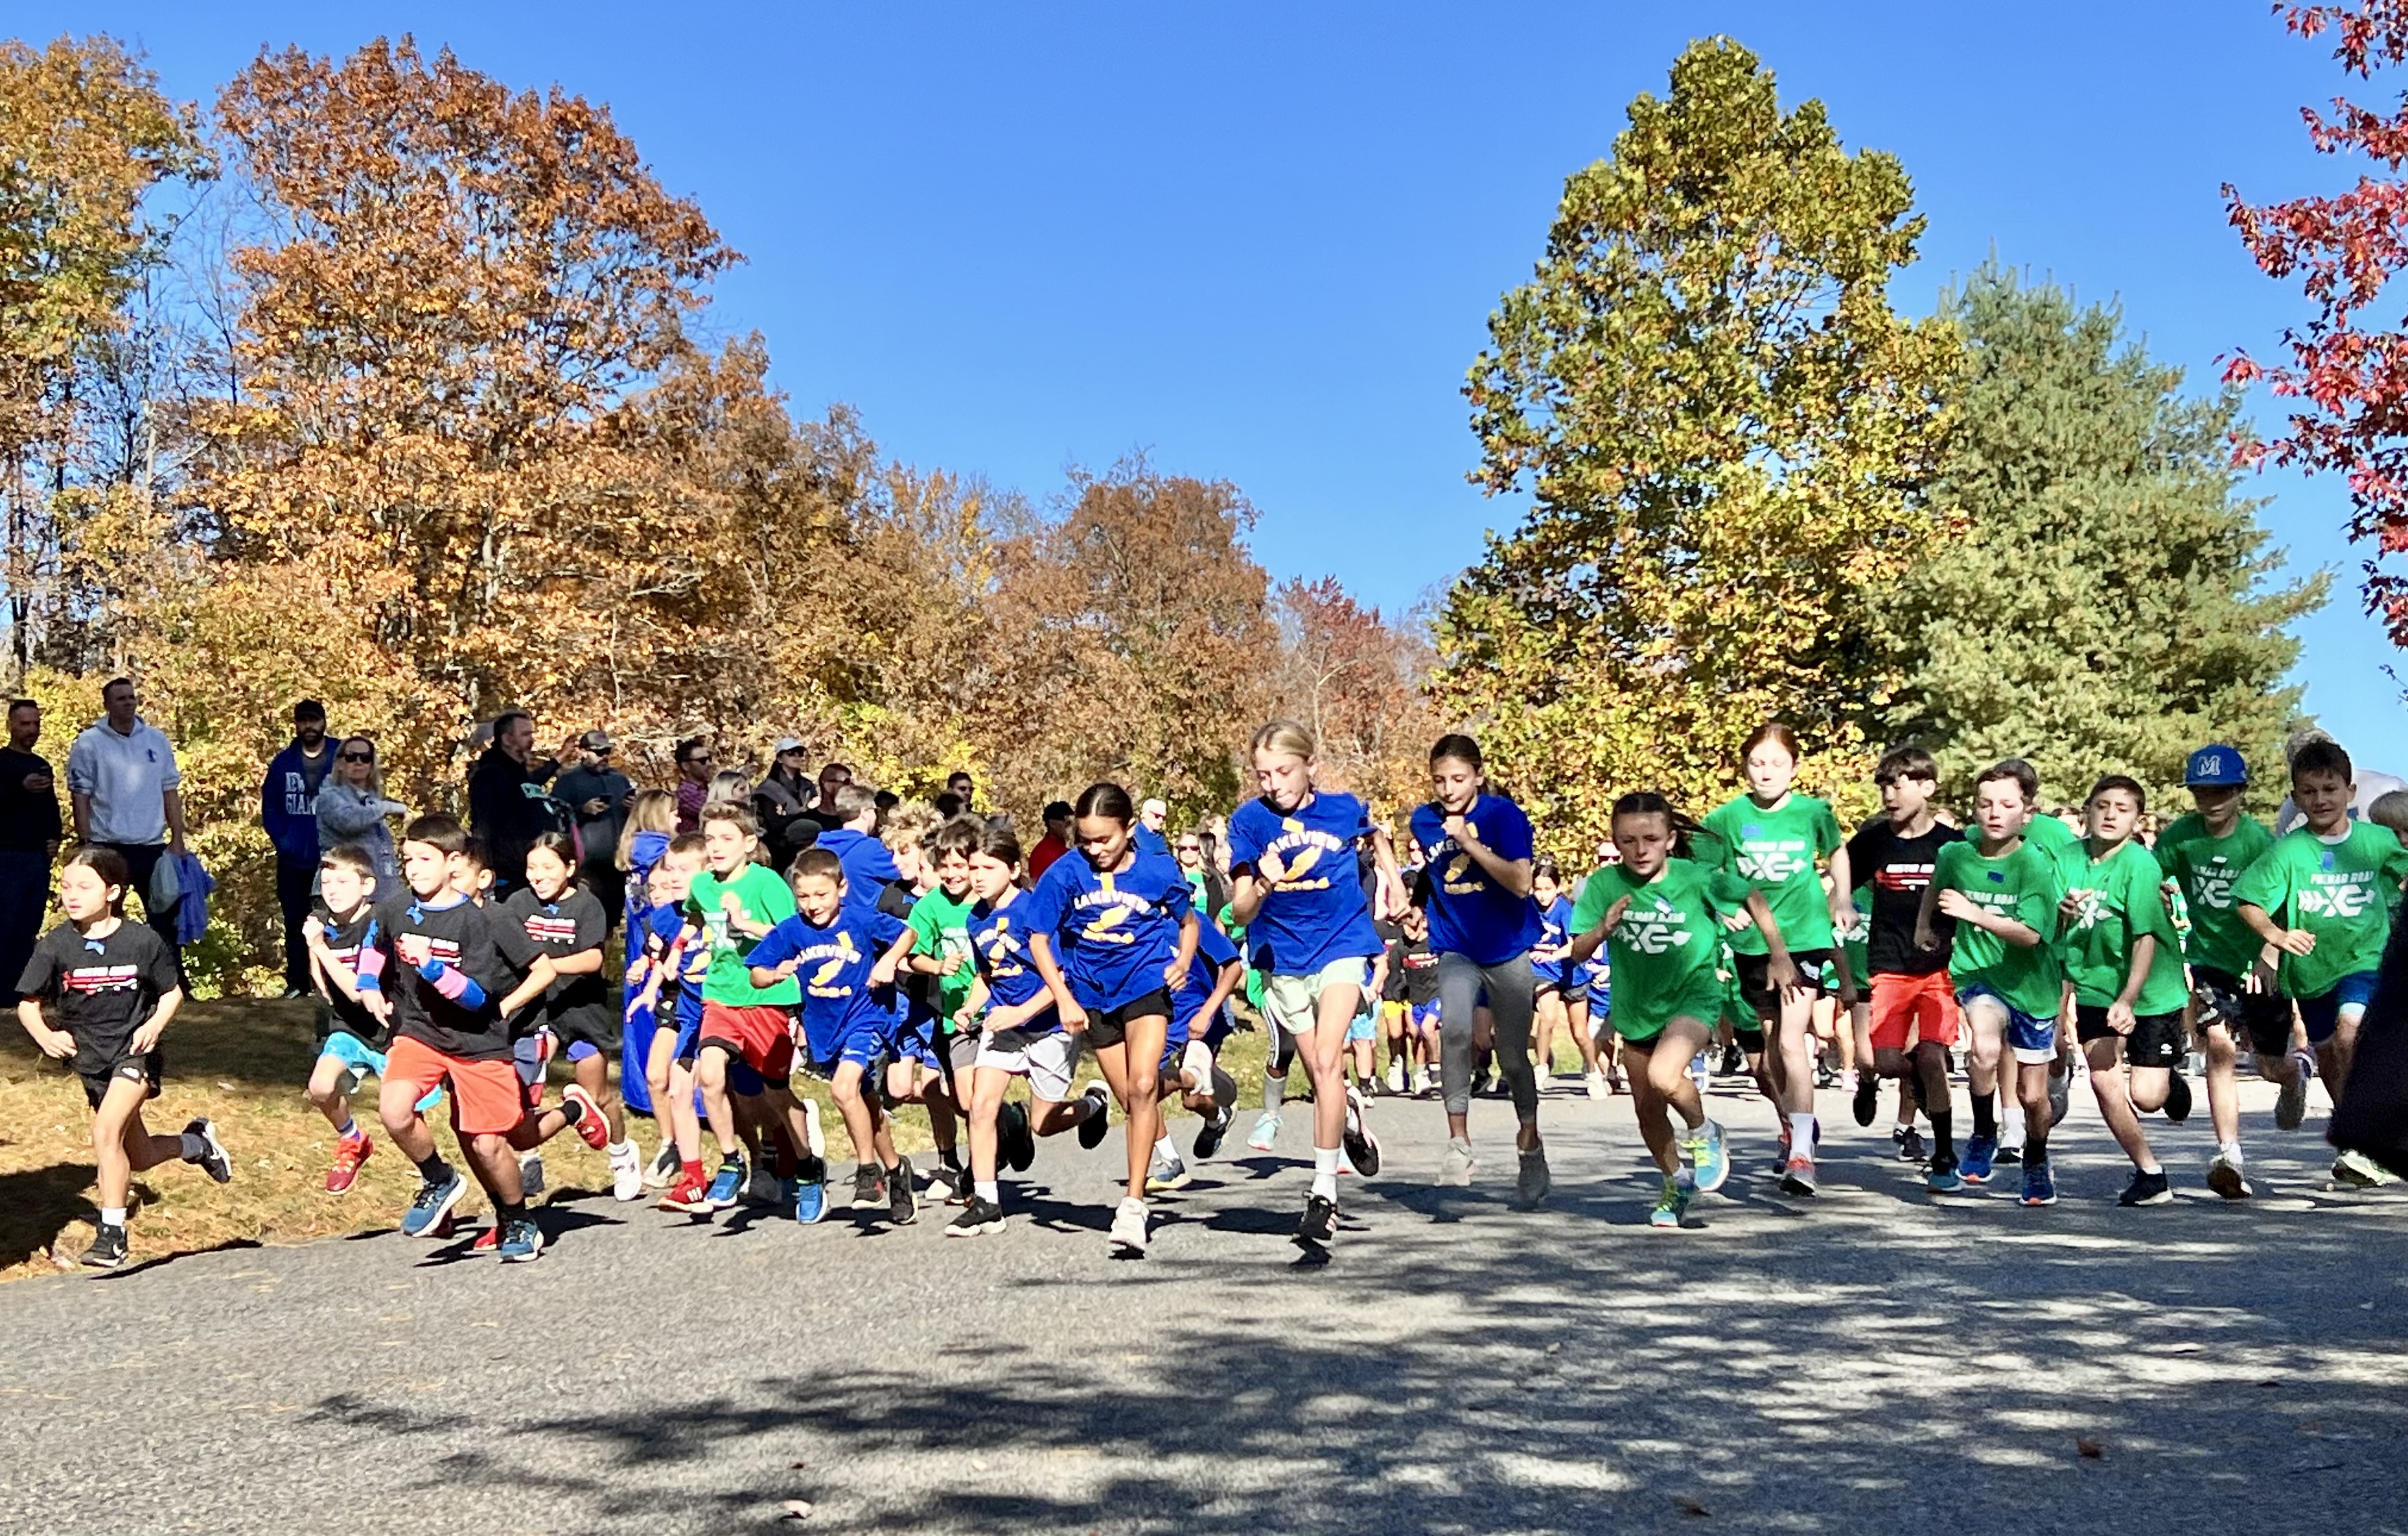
[1000,945]
[1113,934]
[1212,951]
[1316,914]
[1470,915]
[1554,926]
[833,972]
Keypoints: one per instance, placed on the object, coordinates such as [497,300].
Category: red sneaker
[350,1152]
[586,1117]
[488,1240]
[688,1195]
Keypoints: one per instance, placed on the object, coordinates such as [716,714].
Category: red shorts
[1922,1007]
[762,1034]
[486,1098]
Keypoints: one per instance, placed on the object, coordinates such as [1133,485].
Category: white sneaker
[1266,1131]
[662,1170]
[626,1173]
[1456,1169]
[1422,1083]
[1128,1229]
[1596,1085]
[530,1175]
[1396,1076]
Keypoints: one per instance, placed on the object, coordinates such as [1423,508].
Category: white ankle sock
[1324,1172]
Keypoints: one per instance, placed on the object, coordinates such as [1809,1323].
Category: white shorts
[1197,1062]
[1292,998]
[1048,1060]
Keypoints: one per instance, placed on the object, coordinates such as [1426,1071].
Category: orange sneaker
[350,1152]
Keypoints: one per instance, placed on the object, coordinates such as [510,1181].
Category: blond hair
[910,826]
[650,810]
[1287,737]
[2390,808]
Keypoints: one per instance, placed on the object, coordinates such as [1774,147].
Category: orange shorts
[763,1036]
[486,1100]
[1923,1007]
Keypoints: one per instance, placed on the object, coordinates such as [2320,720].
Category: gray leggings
[1460,982]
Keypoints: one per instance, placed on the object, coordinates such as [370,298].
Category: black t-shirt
[102,989]
[29,822]
[345,939]
[1898,869]
[1417,963]
[484,943]
[571,924]
[1392,987]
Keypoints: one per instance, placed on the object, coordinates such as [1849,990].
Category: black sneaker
[107,1250]
[2146,1189]
[1734,1062]
[1361,1148]
[213,1160]
[1868,1093]
[2009,1157]
[1099,1119]
[902,1205]
[949,1184]
[1014,1141]
[1909,1146]
[1319,1226]
[1225,1088]
[1216,1125]
[978,1218]
[1825,1075]
[2177,1097]
[868,1186]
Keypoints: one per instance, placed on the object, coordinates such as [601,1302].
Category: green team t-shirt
[2205,868]
[2021,885]
[2343,892]
[766,900]
[941,927]
[2063,847]
[1663,951]
[2123,900]
[1775,850]
[1858,940]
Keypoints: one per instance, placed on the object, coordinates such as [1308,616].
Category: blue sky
[1261,242]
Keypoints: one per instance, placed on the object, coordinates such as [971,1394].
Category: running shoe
[1266,1133]
[488,1240]
[213,1160]
[2060,1088]
[2010,1154]
[868,1186]
[2147,1189]
[2359,1172]
[978,1219]
[433,1203]
[1100,1118]
[2177,1097]
[1781,1153]
[1868,1096]
[1909,1146]
[1457,1168]
[810,1198]
[1167,1174]
[662,1170]
[1361,1147]
[1598,1087]
[1128,1230]
[1014,1141]
[1225,1088]
[948,1184]
[1733,1062]
[1396,1075]
[2040,1184]
[1533,1181]
[626,1173]
[530,1175]
[2224,1174]
[1215,1127]
[1825,1075]
[1318,1228]
[1709,1154]
[350,1152]
[1424,1086]
[1981,1156]
[1943,1179]
[2291,1103]
[1799,1178]
[1670,1205]
[902,1201]
[727,1183]
[585,1117]
[762,1186]
[690,1195]
[107,1250]
[520,1241]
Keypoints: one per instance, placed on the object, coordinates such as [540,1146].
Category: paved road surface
[1867,1361]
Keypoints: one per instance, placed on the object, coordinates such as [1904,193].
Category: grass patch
[243,1063]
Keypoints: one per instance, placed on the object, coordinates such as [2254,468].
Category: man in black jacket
[596,794]
[29,839]
[507,806]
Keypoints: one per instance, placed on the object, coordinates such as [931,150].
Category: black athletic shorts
[2222,999]
[102,1062]
[1110,1027]
[2156,1041]
[1815,968]
[597,1026]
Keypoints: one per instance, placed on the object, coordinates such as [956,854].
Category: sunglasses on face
[356,756]
[1189,848]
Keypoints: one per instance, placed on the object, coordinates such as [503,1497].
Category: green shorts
[1701,1000]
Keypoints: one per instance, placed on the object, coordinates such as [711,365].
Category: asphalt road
[1865,1361]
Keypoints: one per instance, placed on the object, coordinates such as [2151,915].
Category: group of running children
[924,965]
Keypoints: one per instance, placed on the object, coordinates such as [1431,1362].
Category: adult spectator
[597,795]
[351,808]
[959,783]
[128,794]
[2372,786]
[1054,844]
[1211,887]
[833,778]
[29,840]
[1152,817]
[508,808]
[783,803]
[288,809]
[694,770]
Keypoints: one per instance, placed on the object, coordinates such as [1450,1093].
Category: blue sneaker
[1708,1156]
[1980,1151]
[431,1204]
[2040,1185]
[810,1200]
[1671,1204]
[1943,1179]
[522,1239]
[727,1183]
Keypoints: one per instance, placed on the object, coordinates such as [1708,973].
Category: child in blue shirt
[1191,1070]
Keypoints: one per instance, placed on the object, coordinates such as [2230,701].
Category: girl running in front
[1190,1069]
[1658,915]
[1776,838]
[1112,932]
[566,921]
[1308,928]
[1476,851]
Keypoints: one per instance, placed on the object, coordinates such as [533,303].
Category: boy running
[1913,1008]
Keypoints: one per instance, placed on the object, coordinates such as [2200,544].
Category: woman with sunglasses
[351,808]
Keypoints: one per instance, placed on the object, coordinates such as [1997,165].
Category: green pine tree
[2107,606]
